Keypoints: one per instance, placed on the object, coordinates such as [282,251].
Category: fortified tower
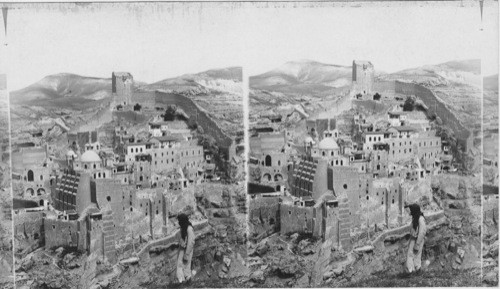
[121,85]
[362,77]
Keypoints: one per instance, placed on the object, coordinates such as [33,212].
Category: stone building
[316,127]
[72,191]
[121,87]
[270,154]
[82,140]
[32,167]
[362,77]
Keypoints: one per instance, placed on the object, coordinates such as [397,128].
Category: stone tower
[362,77]
[121,85]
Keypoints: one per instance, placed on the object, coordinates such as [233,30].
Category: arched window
[31,177]
[41,177]
[268,161]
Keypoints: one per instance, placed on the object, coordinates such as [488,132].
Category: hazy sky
[490,39]
[157,41]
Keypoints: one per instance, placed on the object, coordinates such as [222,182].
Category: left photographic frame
[127,144]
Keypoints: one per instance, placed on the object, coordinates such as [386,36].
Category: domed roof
[328,144]
[70,153]
[90,157]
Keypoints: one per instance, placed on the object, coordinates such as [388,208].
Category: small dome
[309,140]
[90,157]
[70,153]
[328,144]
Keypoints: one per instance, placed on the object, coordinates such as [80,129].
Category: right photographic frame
[366,150]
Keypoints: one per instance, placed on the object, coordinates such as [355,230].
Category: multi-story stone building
[362,77]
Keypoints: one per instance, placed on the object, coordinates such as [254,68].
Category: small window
[345,186]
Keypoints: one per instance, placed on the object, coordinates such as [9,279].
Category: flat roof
[376,132]
[404,128]
[167,138]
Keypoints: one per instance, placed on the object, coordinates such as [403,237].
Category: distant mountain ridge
[303,72]
[63,87]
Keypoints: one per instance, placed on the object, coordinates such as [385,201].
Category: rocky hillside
[490,127]
[452,248]
[218,92]
[216,80]
[457,84]
[466,72]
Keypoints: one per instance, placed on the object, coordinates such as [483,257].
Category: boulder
[59,251]
[68,258]
[303,243]
[307,251]
[493,250]
[129,261]
[288,267]
[262,248]
[461,252]
[227,261]
[257,276]
[449,188]
[26,264]
[491,278]
[338,271]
